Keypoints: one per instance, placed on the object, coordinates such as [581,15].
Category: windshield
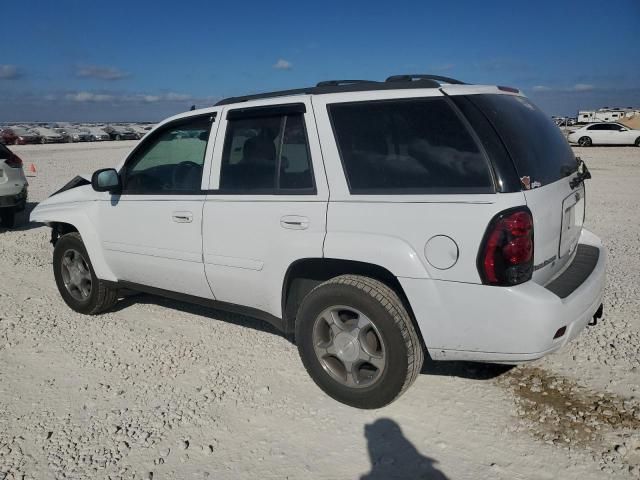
[536,145]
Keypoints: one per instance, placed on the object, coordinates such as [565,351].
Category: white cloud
[541,88]
[583,87]
[101,73]
[89,97]
[9,72]
[283,64]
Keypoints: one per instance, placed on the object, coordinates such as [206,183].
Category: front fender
[389,252]
[79,215]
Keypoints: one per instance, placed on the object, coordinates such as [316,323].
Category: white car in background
[605,133]
[13,187]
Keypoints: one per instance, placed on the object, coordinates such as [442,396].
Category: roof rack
[339,86]
[419,76]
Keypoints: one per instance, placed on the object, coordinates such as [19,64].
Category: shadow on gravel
[393,456]
[468,370]
[132,298]
[22,220]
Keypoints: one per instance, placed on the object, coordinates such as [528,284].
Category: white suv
[13,187]
[373,221]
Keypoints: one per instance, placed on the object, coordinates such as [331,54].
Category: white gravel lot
[164,390]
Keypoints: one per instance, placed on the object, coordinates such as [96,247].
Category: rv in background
[606,114]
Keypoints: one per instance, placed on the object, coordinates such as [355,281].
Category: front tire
[76,280]
[585,142]
[357,341]
[637,142]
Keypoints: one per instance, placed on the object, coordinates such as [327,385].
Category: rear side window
[266,155]
[536,145]
[408,146]
[4,152]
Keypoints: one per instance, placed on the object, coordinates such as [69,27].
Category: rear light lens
[14,161]
[506,253]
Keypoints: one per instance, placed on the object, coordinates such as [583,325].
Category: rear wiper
[583,174]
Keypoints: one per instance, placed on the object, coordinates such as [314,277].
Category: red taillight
[506,254]
[13,161]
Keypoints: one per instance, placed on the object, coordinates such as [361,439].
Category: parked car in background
[48,135]
[96,134]
[139,130]
[118,132]
[13,187]
[605,133]
[73,134]
[307,209]
[19,136]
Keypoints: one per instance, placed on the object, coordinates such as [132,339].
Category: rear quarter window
[536,145]
[408,146]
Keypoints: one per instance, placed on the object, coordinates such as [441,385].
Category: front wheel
[357,341]
[584,142]
[637,142]
[77,283]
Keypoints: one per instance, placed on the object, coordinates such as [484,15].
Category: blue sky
[143,60]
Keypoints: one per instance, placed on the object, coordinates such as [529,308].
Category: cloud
[541,88]
[120,98]
[283,64]
[101,73]
[445,67]
[9,72]
[88,97]
[583,87]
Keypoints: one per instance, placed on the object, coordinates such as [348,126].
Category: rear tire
[373,321]
[7,217]
[637,142]
[76,280]
[585,141]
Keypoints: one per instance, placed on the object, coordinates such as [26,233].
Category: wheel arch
[305,274]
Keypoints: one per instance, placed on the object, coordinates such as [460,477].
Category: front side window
[170,160]
[408,146]
[267,154]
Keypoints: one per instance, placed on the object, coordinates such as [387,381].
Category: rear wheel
[77,283]
[584,141]
[118,137]
[357,341]
[7,217]
[637,142]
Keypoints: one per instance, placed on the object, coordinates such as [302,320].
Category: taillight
[506,253]
[13,161]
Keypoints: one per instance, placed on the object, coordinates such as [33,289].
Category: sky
[145,60]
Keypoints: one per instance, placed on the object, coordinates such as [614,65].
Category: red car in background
[19,136]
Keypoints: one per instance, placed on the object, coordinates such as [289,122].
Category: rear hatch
[545,164]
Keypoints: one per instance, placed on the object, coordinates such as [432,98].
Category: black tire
[386,311]
[101,297]
[118,137]
[7,217]
[585,141]
[637,142]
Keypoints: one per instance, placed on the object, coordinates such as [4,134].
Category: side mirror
[106,180]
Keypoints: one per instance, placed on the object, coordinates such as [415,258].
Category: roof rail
[411,78]
[337,83]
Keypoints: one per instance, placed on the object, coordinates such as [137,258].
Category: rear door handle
[182,217]
[294,222]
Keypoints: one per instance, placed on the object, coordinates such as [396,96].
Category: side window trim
[256,112]
[149,141]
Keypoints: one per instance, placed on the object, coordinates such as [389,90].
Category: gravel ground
[161,389]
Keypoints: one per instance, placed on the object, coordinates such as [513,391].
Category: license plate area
[573,209]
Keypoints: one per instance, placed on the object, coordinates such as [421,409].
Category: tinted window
[536,145]
[408,146]
[599,126]
[4,152]
[171,160]
[266,155]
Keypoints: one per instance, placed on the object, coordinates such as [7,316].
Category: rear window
[4,152]
[536,145]
[408,146]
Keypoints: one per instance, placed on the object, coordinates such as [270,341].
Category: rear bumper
[14,199]
[461,321]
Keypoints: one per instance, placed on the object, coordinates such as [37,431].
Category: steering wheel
[182,170]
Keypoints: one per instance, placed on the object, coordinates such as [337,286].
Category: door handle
[294,222]
[182,217]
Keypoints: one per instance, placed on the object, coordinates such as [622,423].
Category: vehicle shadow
[394,457]
[468,370]
[129,298]
[22,220]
